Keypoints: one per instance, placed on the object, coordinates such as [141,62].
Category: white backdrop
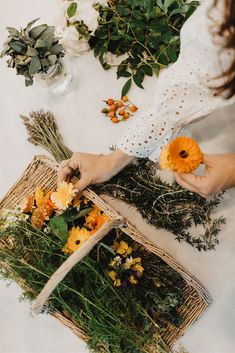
[85,129]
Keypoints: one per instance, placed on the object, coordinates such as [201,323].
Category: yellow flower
[133,280]
[122,248]
[76,238]
[113,276]
[38,217]
[130,262]
[157,284]
[63,196]
[138,268]
[95,219]
[182,155]
[117,283]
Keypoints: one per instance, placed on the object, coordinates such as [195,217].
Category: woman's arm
[93,168]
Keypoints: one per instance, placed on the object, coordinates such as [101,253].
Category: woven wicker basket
[42,173]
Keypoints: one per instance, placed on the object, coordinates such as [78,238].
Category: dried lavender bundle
[43,131]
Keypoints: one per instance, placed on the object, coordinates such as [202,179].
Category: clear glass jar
[57,78]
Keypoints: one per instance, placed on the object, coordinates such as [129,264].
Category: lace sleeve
[178,103]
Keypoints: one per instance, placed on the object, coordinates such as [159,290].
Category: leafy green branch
[146,32]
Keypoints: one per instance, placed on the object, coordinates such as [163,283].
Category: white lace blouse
[182,93]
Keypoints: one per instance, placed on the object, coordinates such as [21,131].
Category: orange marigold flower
[43,201]
[27,204]
[63,196]
[77,236]
[95,219]
[182,155]
[38,217]
[39,197]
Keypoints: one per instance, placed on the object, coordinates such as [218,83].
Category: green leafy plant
[32,50]
[145,31]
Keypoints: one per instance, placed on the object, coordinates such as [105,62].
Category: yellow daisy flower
[77,236]
[63,196]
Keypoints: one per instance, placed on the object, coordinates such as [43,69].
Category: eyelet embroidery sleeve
[182,91]
[175,103]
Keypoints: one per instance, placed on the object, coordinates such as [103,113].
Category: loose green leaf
[71,11]
[126,87]
[71,214]
[138,78]
[59,227]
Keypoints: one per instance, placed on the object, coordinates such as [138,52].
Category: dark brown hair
[226,32]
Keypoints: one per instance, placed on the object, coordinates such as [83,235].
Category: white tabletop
[85,129]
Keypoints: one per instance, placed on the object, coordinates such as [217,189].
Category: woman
[201,81]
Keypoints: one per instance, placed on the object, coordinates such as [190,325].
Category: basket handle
[73,259]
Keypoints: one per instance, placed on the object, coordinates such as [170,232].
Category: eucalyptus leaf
[19,47]
[56,49]
[31,52]
[13,32]
[35,65]
[36,31]
[40,44]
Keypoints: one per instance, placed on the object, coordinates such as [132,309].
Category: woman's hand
[93,168]
[219,175]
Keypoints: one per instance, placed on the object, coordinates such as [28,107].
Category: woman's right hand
[219,175]
[93,168]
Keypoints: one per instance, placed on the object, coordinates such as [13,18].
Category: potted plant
[35,52]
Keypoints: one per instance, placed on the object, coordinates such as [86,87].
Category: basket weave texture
[42,173]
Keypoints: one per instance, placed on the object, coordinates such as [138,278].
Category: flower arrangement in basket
[107,285]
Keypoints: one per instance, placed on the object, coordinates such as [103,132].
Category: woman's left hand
[219,175]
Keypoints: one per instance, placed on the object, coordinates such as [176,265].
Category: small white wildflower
[47,230]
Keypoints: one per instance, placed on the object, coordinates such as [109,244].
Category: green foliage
[71,11]
[32,50]
[111,317]
[145,31]
[59,227]
[166,206]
